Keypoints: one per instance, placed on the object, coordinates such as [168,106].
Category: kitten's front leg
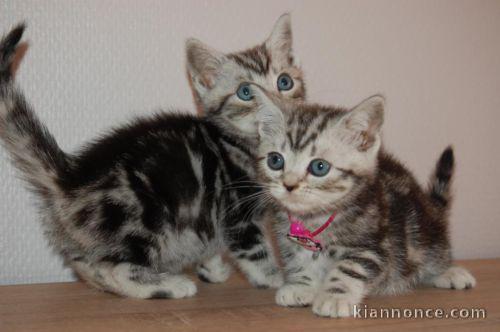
[303,275]
[254,255]
[346,284]
[214,270]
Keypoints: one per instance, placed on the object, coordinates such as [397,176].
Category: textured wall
[92,64]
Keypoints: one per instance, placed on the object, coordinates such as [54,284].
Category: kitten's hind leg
[135,281]
[456,277]
[214,270]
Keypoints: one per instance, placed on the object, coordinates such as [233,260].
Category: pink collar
[301,235]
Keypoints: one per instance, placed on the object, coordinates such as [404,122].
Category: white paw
[183,287]
[177,287]
[215,272]
[334,305]
[455,277]
[295,295]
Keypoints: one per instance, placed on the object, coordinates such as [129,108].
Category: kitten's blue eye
[244,92]
[319,167]
[285,82]
[275,161]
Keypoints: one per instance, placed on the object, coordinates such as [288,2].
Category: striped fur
[389,235]
[213,74]
[131,210]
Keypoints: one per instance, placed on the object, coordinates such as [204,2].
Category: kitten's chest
[324,229]
[343,231]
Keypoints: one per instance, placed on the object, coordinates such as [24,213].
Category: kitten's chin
[302,206]
[300,209]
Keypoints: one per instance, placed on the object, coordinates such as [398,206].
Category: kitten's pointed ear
[269,116]
[364,122]
[279,43]
[203,62]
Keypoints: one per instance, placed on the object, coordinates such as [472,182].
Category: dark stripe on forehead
[291,119]
[306,124]
[313,150]
[308,140]
[302,122]
[255,59]
[290,138]
[283,145]
[326,119]
[305,120]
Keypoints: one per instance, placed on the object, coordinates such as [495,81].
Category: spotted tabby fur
[389,234]
[132,209]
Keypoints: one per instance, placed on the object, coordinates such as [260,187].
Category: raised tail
[440,183]
[33,149]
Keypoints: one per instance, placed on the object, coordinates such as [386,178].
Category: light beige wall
[95,63]
[438,64]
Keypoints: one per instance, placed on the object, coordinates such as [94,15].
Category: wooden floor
[233,306]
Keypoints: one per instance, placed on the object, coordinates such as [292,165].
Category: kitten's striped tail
[33,149]
[439,188]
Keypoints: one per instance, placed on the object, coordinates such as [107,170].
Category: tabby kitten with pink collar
[388,234]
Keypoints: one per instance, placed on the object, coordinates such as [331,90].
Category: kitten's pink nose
[291,181]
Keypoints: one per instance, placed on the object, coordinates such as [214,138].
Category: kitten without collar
[131,210]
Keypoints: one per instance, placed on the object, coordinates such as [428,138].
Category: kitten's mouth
[295,209]
[301,209]
[295,205]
